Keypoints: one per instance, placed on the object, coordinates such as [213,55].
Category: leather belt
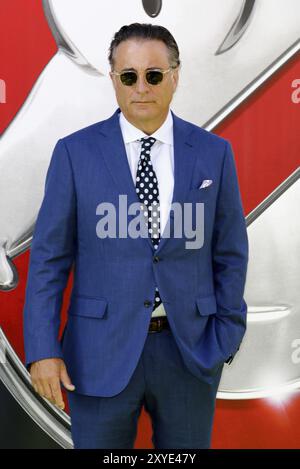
[158,323]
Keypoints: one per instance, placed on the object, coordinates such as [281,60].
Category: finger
[56,393]
[40,388]
[66,381]
[47,390]
[35,388]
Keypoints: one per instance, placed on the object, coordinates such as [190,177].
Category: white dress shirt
[162,158]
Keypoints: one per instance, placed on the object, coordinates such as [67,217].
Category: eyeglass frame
[173,67]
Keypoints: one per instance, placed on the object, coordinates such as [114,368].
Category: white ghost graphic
[227,50]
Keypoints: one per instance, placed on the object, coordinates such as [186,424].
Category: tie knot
[147,142]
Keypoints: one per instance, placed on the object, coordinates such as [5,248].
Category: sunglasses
[153,77]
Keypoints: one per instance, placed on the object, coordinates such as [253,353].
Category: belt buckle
[159,322]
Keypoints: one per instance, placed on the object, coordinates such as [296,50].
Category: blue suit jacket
[115,278]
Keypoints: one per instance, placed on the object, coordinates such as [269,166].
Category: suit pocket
[88,307]
[204,195]
[202,190]
[206,305]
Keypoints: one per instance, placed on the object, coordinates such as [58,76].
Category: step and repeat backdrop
[240,78]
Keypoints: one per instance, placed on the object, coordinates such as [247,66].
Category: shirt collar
[131,133]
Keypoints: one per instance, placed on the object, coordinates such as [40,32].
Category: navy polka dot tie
[147,190]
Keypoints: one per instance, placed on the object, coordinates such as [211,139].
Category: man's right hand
[46,375]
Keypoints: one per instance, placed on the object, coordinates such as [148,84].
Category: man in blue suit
[152,318]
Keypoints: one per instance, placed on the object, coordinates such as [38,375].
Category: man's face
[144,104]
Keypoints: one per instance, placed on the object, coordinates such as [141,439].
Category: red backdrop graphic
[265,136]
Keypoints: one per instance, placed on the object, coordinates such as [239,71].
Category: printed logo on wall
[223,45]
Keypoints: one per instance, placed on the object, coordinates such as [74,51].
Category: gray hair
[145,32]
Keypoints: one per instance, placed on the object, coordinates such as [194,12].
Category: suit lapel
[184,162]
[114,153]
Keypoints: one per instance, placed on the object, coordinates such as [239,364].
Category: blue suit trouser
[180,405]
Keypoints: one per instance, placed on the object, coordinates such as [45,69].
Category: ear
[175,78]
[112,77]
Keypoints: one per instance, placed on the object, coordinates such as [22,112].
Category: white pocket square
[205,183]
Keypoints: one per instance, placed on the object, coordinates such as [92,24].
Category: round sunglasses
[153,77]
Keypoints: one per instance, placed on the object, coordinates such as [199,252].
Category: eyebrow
[134,70]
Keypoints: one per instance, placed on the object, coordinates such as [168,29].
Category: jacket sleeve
[230,258]
[51,258]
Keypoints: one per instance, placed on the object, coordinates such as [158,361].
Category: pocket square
[205,183]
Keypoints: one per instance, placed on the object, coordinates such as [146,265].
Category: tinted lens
[154,77]
[128,78]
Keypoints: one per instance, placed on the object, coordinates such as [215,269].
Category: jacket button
[156,259]
[147,303]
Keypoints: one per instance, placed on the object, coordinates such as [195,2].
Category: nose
[141,85]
